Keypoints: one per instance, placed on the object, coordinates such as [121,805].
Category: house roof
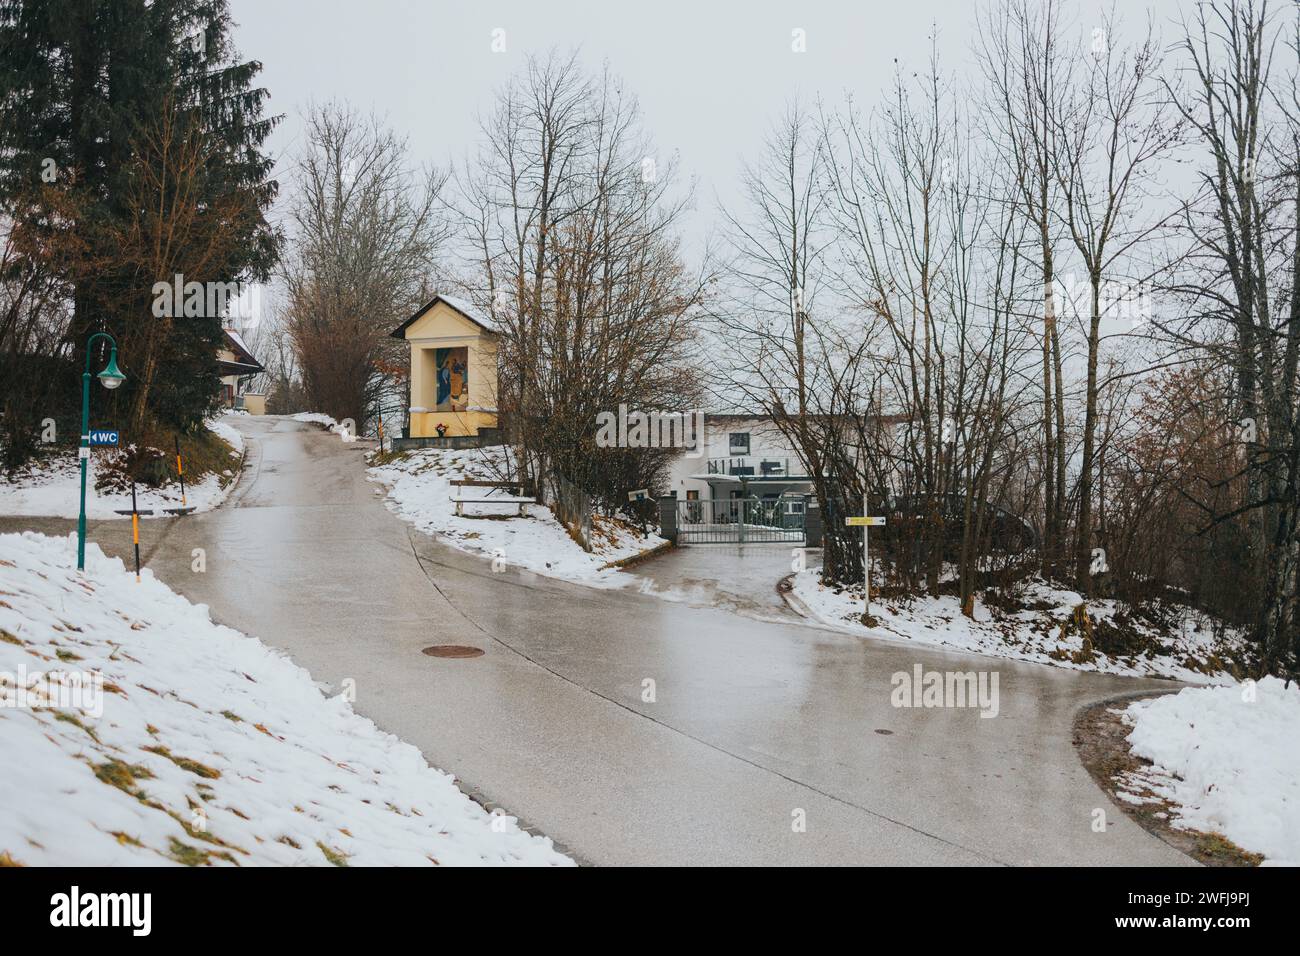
[458,305]
[243,357]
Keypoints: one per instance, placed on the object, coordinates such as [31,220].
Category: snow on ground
[204,746]
[52,486]
[1227,759]
[419,491]
[320,418]
[227,433]
[1188,651]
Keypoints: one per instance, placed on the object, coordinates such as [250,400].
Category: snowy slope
[52,487]
[1229,759]
[208,748]
[419,490]
[1027,635]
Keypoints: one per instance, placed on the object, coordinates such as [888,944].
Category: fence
[572,506]
[740,520]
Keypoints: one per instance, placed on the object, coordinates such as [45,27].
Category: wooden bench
[523,501]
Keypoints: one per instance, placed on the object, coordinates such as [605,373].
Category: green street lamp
[111,378]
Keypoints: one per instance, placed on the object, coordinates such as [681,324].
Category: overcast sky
[711,76]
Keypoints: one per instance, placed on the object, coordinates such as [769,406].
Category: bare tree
[1245,276]
[366,236]
[1029,73]
[1113,130]
[571,221]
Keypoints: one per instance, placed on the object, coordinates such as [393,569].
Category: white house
[743,456]
[237,368]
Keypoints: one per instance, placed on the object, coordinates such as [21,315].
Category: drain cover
[453,650]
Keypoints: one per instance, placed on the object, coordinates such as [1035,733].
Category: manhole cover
[453,650]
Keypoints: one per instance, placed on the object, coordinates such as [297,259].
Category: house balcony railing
[758,466]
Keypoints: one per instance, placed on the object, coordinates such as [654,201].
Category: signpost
[104,438]
[866,522]
[110,378]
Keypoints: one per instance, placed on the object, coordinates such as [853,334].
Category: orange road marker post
[135,532]
[135,514]
[180,470]
[184,509]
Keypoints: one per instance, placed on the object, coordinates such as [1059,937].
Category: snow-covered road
[628,728]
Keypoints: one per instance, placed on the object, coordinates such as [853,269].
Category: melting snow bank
[1228,761]
[1040,628]
[201,745]
[328,423]
[420,490]
[52,487]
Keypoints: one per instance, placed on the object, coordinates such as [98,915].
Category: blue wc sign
[100,437]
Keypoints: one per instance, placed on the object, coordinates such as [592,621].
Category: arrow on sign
[868,522]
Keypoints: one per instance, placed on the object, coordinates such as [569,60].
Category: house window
[738,443]
[691,494]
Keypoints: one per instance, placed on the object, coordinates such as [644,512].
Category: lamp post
[111,378]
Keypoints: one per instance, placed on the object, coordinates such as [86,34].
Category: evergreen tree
[82,84]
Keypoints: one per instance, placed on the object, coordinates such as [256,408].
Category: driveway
[753,726]
[741,578]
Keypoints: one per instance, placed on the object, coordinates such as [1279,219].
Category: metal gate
[738,520]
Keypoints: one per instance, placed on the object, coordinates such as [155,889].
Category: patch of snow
[467,308]
[419,491]
[320,418]
[1228,758]
[229,434]
[1028,635]
[205,745]
[51,487]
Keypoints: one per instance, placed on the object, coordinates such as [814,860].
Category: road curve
[754,726]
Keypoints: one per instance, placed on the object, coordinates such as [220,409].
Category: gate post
[812,522]
[668,518]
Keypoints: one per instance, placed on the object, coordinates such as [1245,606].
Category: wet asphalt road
[754,724]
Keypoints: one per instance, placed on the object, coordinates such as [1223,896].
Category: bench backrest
[484,483]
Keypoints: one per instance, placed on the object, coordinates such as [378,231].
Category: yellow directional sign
[868,522]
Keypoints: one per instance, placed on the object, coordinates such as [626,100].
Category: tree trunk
[1083,557]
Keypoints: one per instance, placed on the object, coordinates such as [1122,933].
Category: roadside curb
[631,561]
[1100,744]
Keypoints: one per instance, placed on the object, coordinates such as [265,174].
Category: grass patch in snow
[210,749]
[1043,624]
